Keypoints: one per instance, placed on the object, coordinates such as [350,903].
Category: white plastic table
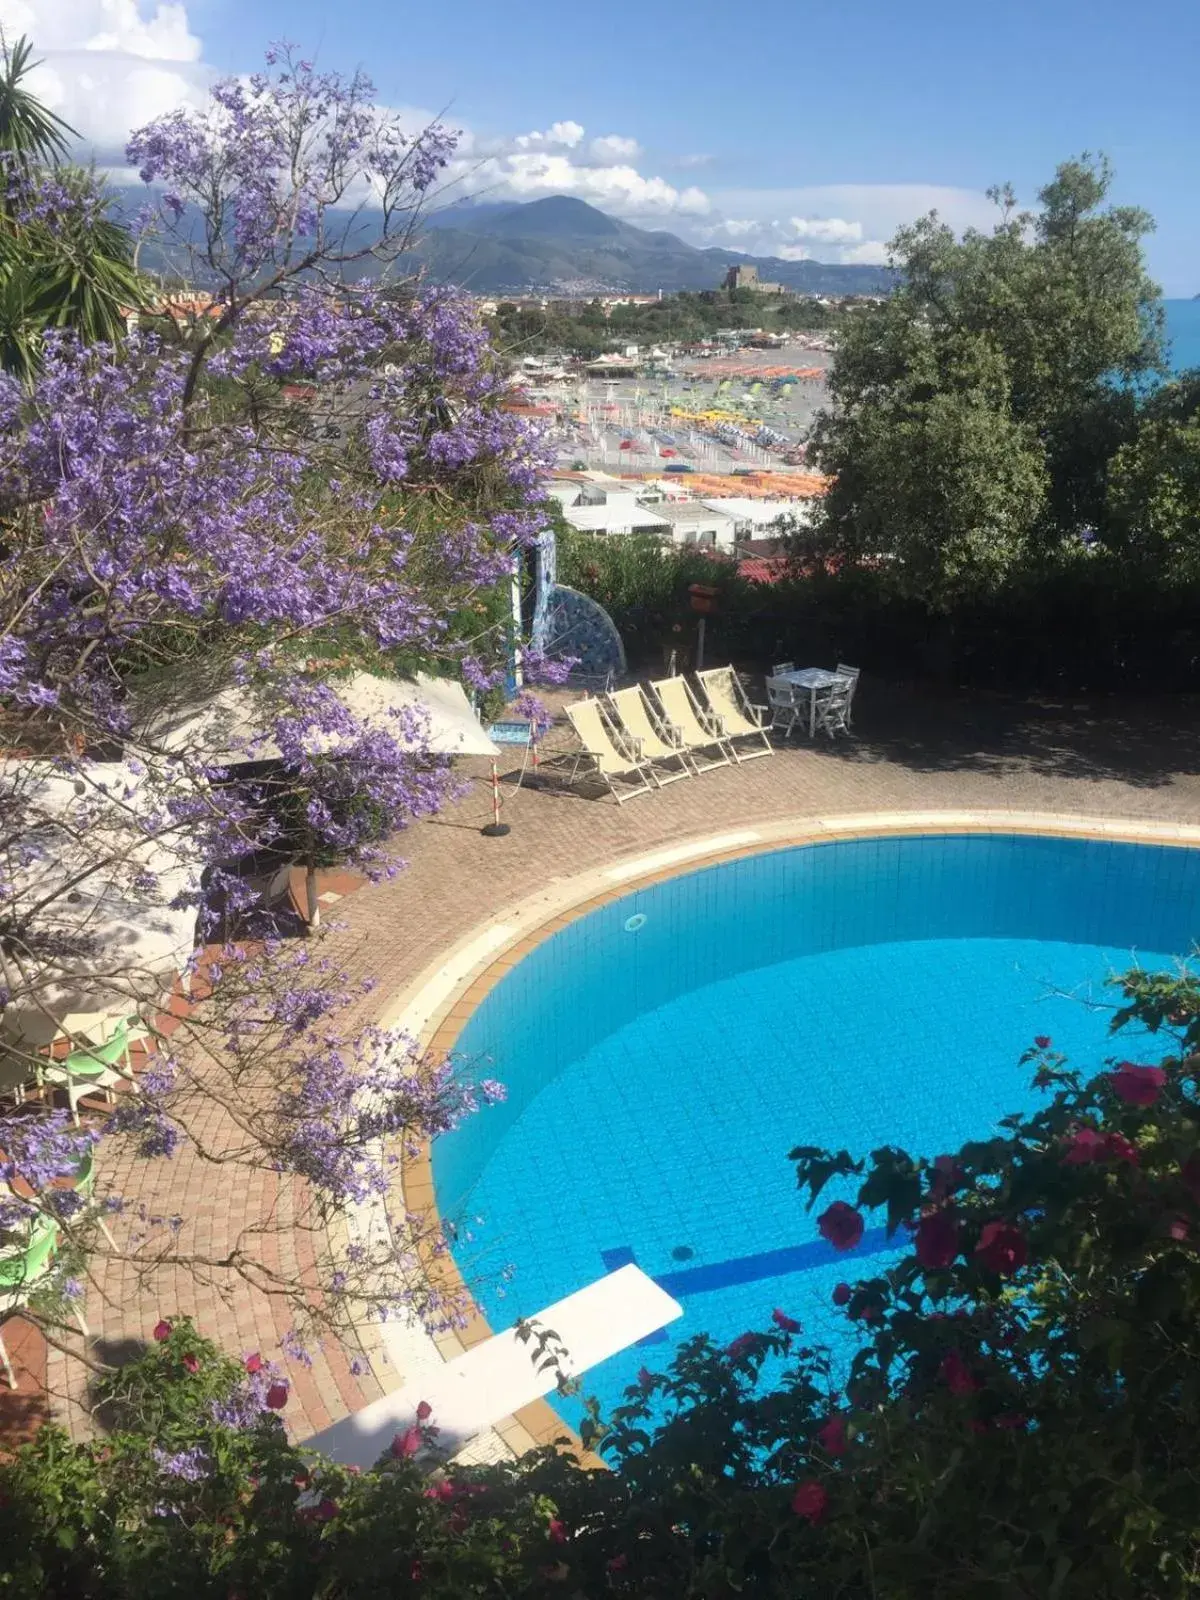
[811,680]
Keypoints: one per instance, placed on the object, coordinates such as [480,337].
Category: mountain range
[564,243]
[565,246]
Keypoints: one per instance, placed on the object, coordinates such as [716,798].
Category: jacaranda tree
[297,470]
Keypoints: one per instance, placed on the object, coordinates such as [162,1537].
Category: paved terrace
[1112,760]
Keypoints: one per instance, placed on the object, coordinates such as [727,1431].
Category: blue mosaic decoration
[568,623]
[578,626]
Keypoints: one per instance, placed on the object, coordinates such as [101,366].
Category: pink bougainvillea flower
[253,1363]
[277,1396]
[162,1330]
[1137,1085]
[811,1500]
[937,1239]
[947,1174]
[783,1321]
[841,1294]
[407,1443]
[415,1572]
[191,1362]
[1118,1148]
[957,1375]
[1084,1145]
[556,1531]
[741,1346]
[442,1490]
[1042,1040]
[424,1411]
[832,1436]
[617,1563]
[841,1225]
[325,1509]
[1002,1248]
[1176,1227]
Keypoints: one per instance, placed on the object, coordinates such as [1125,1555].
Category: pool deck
[1112,761]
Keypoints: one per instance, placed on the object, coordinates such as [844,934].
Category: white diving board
[499,1376]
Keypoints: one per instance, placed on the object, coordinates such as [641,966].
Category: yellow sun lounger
[697,728]
[738,719]
[625,774]
[653,739]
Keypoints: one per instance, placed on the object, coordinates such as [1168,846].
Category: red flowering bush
[1021,1416]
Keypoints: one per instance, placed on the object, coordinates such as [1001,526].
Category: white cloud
[560,135]
[826,230]
[611,147]
[109,65]
[696,160]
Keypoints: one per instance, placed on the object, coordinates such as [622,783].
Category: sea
[1183,333]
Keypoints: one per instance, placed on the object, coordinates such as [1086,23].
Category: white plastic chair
[786,709]
[832,715]
[781,667]
[850,673]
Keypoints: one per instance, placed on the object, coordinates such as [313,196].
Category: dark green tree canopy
[976,410]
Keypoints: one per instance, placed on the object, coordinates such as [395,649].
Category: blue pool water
[847,994]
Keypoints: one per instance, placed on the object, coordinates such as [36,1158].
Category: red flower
[253,1363]
[957,1375]
[832,1436]
[740,1346]
[946,1174]
[1042,1040]
[424,1411]
[1137,1086]
[782,1320]
[841,1225]
[810,1500]
[618,1563]
[407,1443]
[191,1362]
[1119,1148]
[937,1239]
[1002,1248]
[162,1330]
[277,1396]
[557,1532]
[1086,1145]
[841,1294]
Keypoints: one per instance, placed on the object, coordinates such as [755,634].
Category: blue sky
[787,127]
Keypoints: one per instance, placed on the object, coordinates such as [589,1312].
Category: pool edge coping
[434,1008]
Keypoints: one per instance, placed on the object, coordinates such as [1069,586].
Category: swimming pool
[663,1053]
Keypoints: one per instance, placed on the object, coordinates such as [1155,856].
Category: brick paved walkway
[1114,761]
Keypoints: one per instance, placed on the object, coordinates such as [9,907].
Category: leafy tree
[29,132]
[1154,485]
[989,392]
[1019,1418]
[65,262]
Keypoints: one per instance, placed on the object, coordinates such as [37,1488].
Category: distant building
[746,277]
